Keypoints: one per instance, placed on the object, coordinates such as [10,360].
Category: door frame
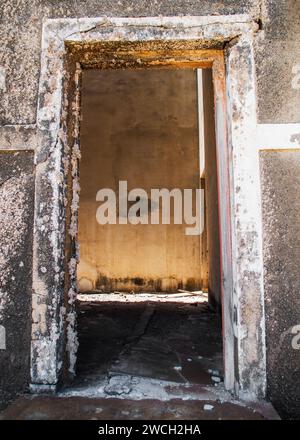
[222,43]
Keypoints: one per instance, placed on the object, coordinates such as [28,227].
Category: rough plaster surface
[21,25]
[16,221]
[281,212]
[276,51]
[247,299]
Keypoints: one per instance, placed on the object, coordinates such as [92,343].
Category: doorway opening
[149,303]
[223,44]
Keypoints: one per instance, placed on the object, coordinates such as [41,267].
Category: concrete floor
[144,360]
[81,408]
[177,342]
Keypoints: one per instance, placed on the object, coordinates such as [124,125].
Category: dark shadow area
[175,342]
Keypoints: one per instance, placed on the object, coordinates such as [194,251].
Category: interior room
[149,303]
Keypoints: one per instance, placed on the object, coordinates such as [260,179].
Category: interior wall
[204,246]
[211,192]
[140,126]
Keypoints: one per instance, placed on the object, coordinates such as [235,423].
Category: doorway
[224,44]
[149,303]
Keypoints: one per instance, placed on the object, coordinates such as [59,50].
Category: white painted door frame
[68,45]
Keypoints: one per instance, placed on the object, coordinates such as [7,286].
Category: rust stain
[137,55]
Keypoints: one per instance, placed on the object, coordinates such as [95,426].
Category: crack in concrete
[108,23]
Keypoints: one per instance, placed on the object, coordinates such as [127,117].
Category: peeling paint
[248,297]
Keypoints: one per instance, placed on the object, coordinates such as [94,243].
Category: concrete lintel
[56,32]
[237,23]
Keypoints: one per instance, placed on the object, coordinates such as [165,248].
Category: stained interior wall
[211,192]
[140,126]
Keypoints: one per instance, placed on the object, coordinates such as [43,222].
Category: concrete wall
[281,213]
[21,26]
[277,51]
[142,127]
[16,220]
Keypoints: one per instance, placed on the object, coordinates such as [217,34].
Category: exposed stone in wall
[16,227]
[281,213]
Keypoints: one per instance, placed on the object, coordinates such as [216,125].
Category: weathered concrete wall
[16,220]
[277,52]
[139,126]
[211,193]
[21,25]
[281,213]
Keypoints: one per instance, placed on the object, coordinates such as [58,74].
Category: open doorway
[161,42]
[149,281]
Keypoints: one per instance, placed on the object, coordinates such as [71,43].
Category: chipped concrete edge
[247,255]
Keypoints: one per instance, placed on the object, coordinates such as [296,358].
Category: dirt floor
[144,360]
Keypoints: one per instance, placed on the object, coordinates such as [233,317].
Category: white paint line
[2,79]
[2,338]
[278,136]
[201,122]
